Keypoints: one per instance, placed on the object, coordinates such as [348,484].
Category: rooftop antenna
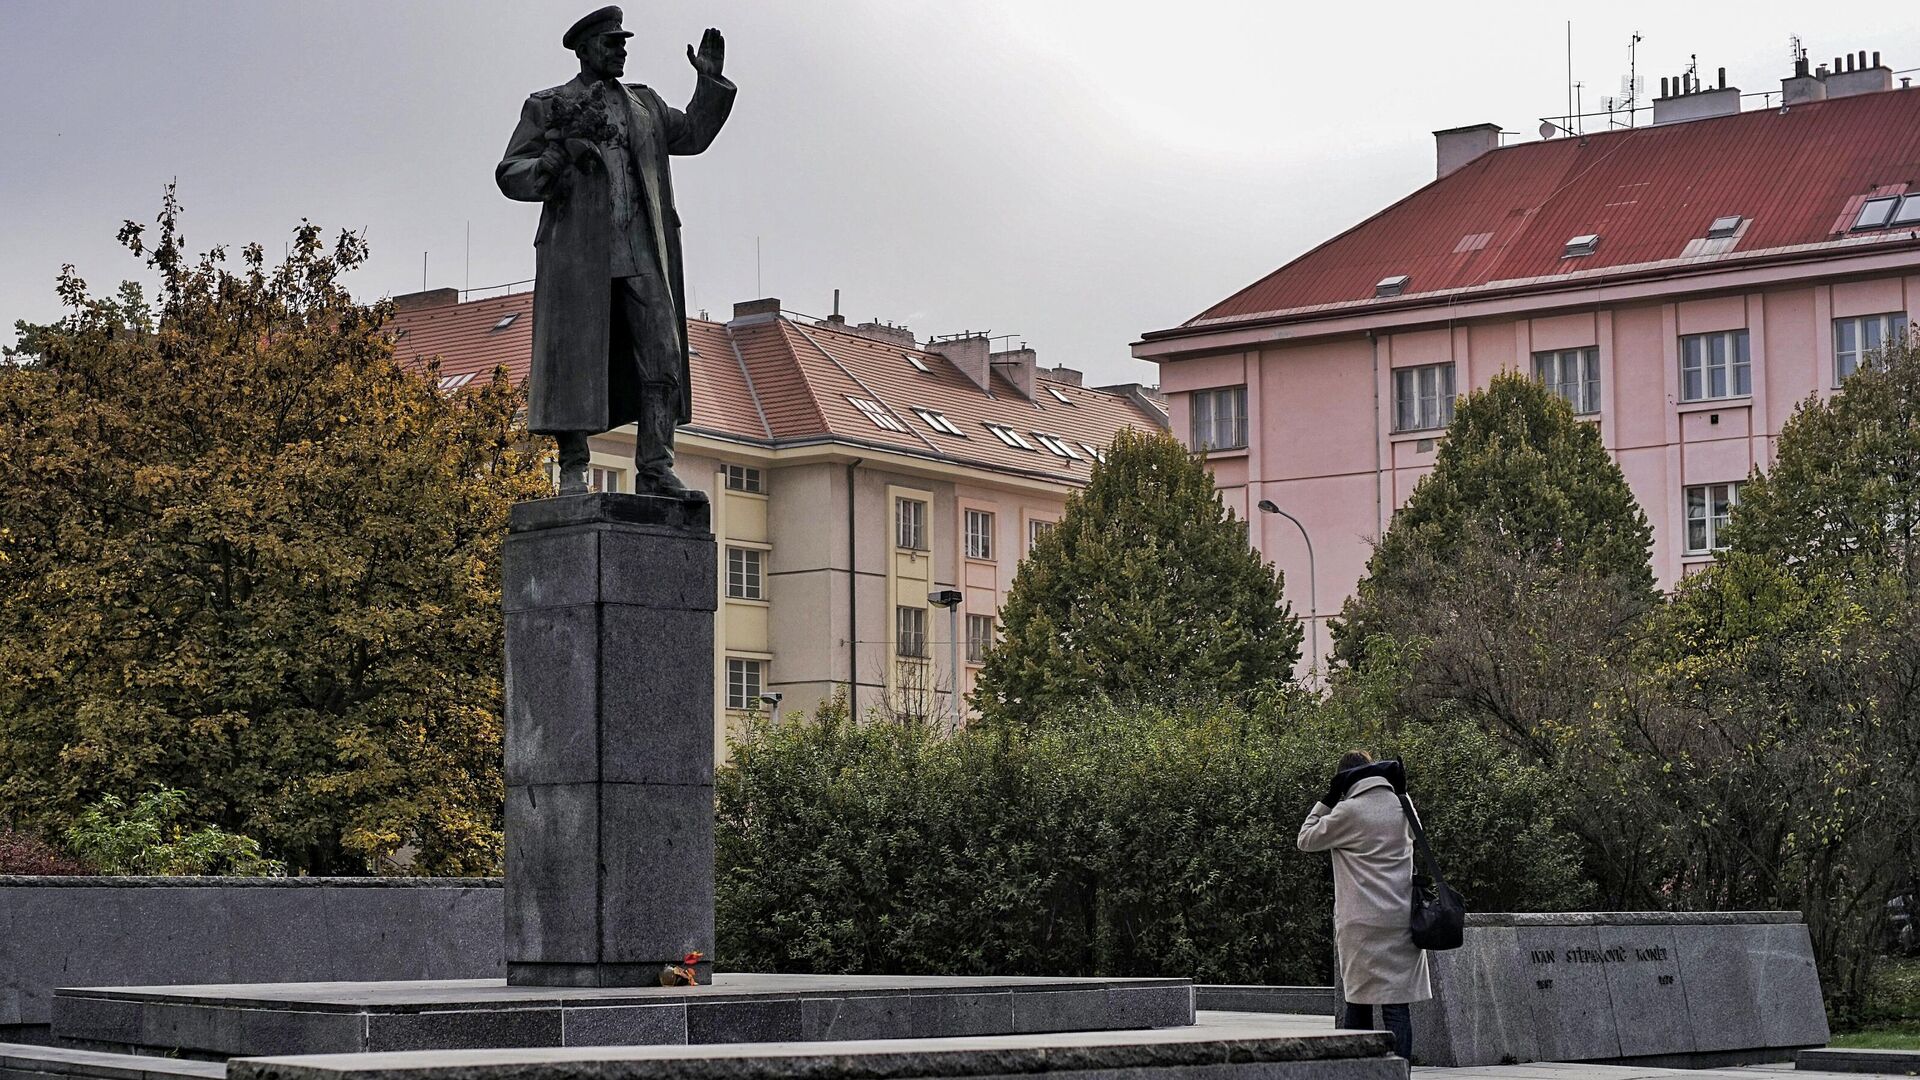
[469,287]
[1633,84]
[423,271]
[1571,115]
[1795,50]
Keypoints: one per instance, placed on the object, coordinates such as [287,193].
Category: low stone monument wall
[121,931]
[1683,988]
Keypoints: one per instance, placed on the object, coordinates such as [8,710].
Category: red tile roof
[780,381]
[1798,174]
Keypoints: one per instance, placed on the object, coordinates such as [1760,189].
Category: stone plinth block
[609,698]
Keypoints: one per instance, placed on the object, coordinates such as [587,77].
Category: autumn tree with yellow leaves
[245,556]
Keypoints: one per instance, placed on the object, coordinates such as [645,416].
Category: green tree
[1147,591]
[149,838]
[1517,572]
[247,557]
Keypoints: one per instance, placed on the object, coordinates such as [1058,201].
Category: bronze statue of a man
[609,309]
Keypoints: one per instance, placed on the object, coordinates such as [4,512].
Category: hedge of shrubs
[1118,842]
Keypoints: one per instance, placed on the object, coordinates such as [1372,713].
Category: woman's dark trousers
[1397,1019]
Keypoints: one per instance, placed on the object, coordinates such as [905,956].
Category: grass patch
[1902,1037]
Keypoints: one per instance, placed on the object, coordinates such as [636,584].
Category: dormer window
[1391,286]
[1584,244]
[1724,227]
[1875,213]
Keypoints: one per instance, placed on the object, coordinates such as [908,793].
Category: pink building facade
[1684,285]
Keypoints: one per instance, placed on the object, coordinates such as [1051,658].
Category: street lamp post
[1313,585]
[950,599]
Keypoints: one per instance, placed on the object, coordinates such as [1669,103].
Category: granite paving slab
[256,1020]
[1883,1062]
[1218,1046]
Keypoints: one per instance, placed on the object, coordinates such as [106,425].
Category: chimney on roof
[764,310]
[1683,98]
[1455,147]
[1018,366]
[836,319]
[414,301]
[1803,86]
[879,331]
[967,352]
[1063,375]
[1860,77]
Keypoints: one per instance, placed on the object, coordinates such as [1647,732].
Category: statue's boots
[574,457]
[653,455]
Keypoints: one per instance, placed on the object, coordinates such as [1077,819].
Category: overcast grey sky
[1074,173]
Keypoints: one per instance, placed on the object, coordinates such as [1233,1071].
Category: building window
[1423,397]
[1709,506]
[1573,374]
[602,479]
[745,573]
[1857,338]
[979,535]
[938,421]
[1057,445]
[910,524]
[1715,366]
[1219,418]
[910,631]
[746,478]
[979,637]
[1009,436]
[878,413]
[1038,530]
[744,681]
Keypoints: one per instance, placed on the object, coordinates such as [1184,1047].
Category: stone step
[23,1061]
[1883,1062]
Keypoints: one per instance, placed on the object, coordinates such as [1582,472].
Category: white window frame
[980,636]
[1711,507]
[938,421]
[1887,326]
[1009,436]
[978,526]
[1218,418]
[910,524]
[910,632]
[747,478]
[1037,528]
[602,478]
[1423,397]
[1573,375]
[1722,355]
[746,573]
[746,682]
[878,413]
[1056,444]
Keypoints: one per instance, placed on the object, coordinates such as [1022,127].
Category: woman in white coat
[1360,822]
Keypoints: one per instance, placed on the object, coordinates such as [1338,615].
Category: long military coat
[583,377]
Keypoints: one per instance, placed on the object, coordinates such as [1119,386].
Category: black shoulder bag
[1439,915]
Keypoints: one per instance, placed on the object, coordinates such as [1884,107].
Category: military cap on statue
[604,21]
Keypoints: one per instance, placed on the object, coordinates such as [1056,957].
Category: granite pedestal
[338,1018]
[1690,989]
[609,739]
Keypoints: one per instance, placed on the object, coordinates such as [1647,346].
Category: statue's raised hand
[712,55]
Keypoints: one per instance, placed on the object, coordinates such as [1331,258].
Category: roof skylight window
[1875,212]
[1584,244]
[1059,447]
[1908,213]
[1009,436]
[455,382]
[1391,286]
[505,321]
[1724,227]
[878,414]
[938,422]
[1094,452]
[919,365]
[1058,396]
